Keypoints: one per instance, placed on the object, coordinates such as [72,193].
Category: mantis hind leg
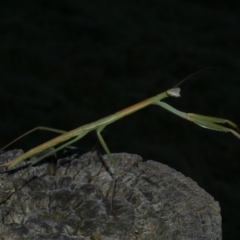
[32,130]
[8,194]
[101,140]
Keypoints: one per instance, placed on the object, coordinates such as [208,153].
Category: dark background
[67,63]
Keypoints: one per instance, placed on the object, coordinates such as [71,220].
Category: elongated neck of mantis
[174,92]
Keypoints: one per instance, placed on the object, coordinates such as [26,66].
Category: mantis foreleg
[201,120]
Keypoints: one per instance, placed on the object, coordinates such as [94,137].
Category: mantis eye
[174,92]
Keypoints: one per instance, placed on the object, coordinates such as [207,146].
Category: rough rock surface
[152,201]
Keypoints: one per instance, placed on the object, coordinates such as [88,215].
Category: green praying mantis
[68,138]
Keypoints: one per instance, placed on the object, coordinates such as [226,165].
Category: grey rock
[152,201]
